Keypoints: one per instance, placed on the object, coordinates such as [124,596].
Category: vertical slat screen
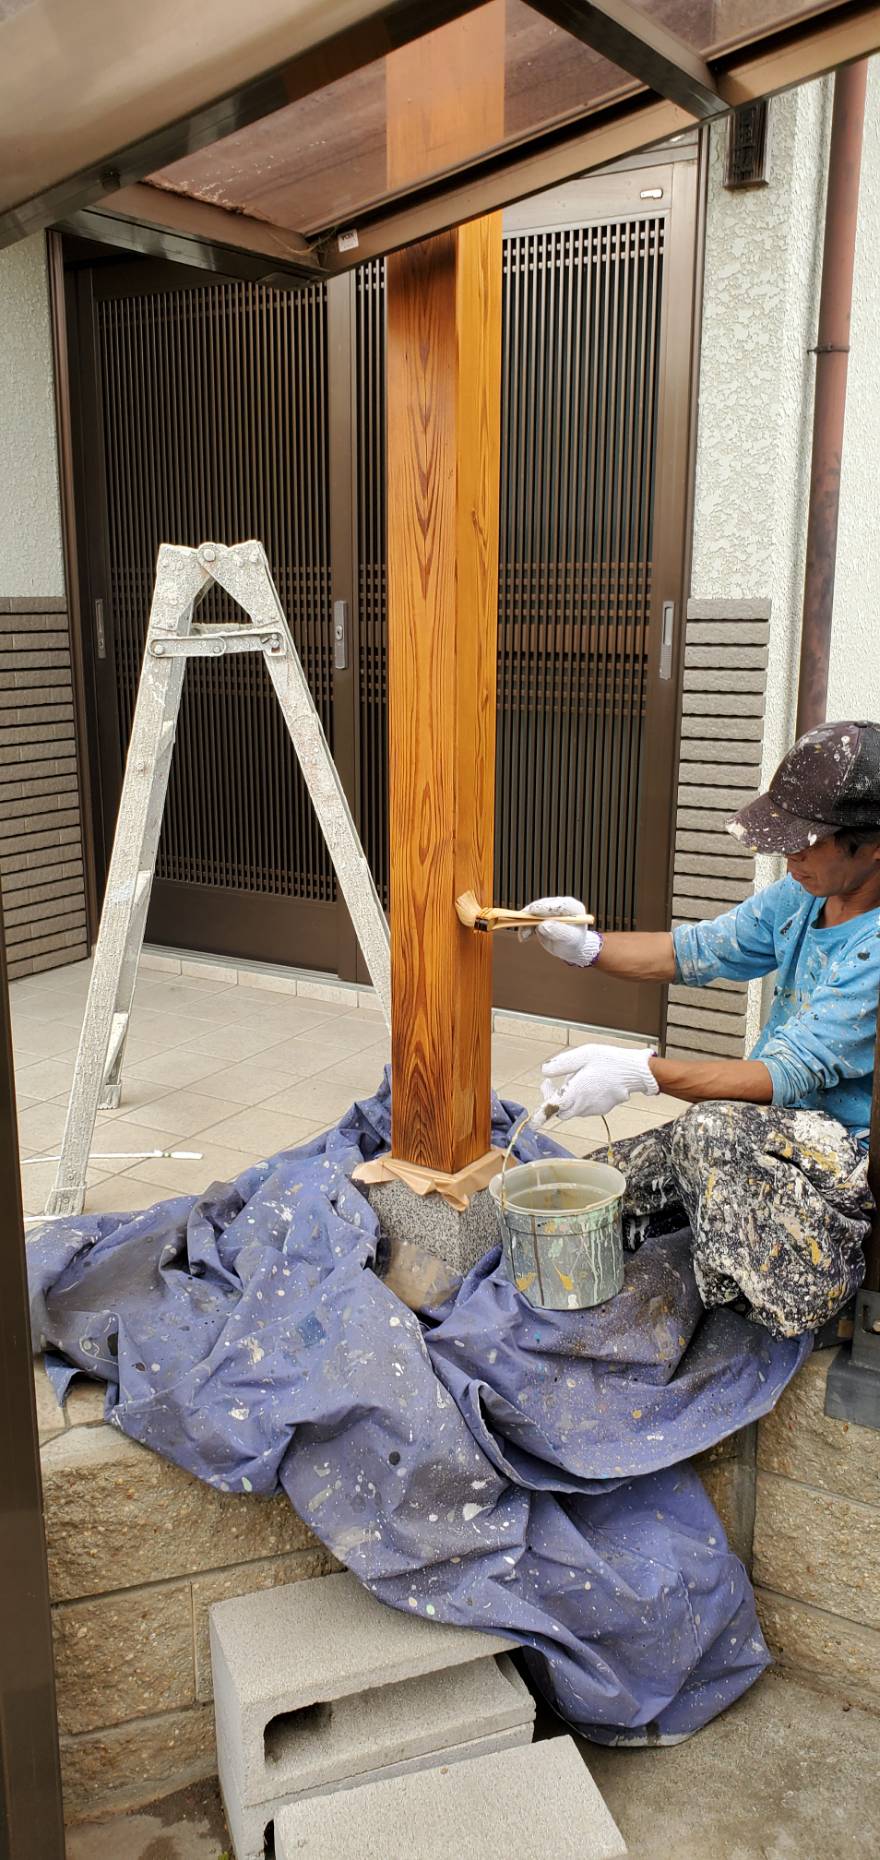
[214,406]
[370,518]
[581,345]
[41,854]
[722,729]
[580,384]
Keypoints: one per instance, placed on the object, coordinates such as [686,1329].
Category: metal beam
[793,55]
[511,176]
[192,232]
[630,38]
[208,81]
[801,52]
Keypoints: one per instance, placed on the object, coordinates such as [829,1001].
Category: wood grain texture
[444,438]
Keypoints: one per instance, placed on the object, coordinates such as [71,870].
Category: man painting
[769,1167]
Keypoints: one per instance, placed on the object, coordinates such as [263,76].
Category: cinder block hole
[282,1734]
[269,1841]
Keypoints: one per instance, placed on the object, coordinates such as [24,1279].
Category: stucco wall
[763,253]
[31,561]
[854,686]
[762,276]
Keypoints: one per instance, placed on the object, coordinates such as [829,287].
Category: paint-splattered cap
[828,783]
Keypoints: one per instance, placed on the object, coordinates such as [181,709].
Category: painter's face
[828,870]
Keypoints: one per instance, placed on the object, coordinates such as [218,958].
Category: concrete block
[531,1803]
[252,1826]
[822,1650]
[286,1649]
[817,1548]
[800,1441]
[85,1403]
[117,1516]
[122,1656]
[730,1484]
[302,1566]
[51,1419]
[388,1731]
[429,1221]
[104,1772]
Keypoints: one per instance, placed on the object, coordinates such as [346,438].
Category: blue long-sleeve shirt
[818,1043]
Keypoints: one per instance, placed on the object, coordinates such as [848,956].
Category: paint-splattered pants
[777,1201]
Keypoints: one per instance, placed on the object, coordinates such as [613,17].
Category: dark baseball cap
[828,783]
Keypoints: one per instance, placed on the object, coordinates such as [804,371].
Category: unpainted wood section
[443,413]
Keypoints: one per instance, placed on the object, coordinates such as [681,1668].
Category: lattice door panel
[214,424]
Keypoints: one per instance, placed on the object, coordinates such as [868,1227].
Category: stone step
[448,1717]
[306,1644]
[531,1803]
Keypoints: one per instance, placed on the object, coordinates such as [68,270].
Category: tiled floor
[232,1071]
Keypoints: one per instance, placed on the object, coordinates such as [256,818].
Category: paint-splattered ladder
[182,577]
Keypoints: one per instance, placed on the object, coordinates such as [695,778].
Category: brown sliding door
[226,409]
[205,415]
[598,318]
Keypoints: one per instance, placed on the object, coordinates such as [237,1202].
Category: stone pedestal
[428,1221]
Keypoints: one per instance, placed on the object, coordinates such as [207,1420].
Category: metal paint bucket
[560,1231]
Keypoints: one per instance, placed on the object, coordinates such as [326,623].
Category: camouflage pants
[777,1201]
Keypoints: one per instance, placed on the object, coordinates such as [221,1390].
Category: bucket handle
[518,1126]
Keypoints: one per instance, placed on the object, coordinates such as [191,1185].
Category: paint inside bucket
[560,1230]
[556,1198]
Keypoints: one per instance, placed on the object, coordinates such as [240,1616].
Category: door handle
[100,635]
[340,635]
[667,629]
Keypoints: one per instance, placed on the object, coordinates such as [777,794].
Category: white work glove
[577,944]
[588,1081]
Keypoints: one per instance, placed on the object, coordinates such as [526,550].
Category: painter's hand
[589,1081]
[577,944]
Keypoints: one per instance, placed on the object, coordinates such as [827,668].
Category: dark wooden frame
[325,939]
[31,1819]
[605,1001]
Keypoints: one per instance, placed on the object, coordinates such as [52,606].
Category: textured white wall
[763,257]
[31,560]
[854,683]
[763,271]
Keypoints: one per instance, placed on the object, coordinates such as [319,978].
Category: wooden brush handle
[498,919]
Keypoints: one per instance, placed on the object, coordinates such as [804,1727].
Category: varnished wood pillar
[443,435]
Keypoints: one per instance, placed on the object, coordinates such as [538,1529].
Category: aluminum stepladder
[182,577]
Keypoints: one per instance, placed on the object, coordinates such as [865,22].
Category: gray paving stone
[533,1803]
[307,1644]
[389,1731]
[429,1221]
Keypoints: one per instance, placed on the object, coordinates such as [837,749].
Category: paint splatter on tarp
[519,1471]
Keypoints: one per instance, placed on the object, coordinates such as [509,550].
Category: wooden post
[443,424]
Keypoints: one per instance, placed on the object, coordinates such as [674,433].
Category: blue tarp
[492,1465]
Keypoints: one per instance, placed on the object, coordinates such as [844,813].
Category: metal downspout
[853,1385]
[832,357]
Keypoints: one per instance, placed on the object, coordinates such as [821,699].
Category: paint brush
[486,917]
